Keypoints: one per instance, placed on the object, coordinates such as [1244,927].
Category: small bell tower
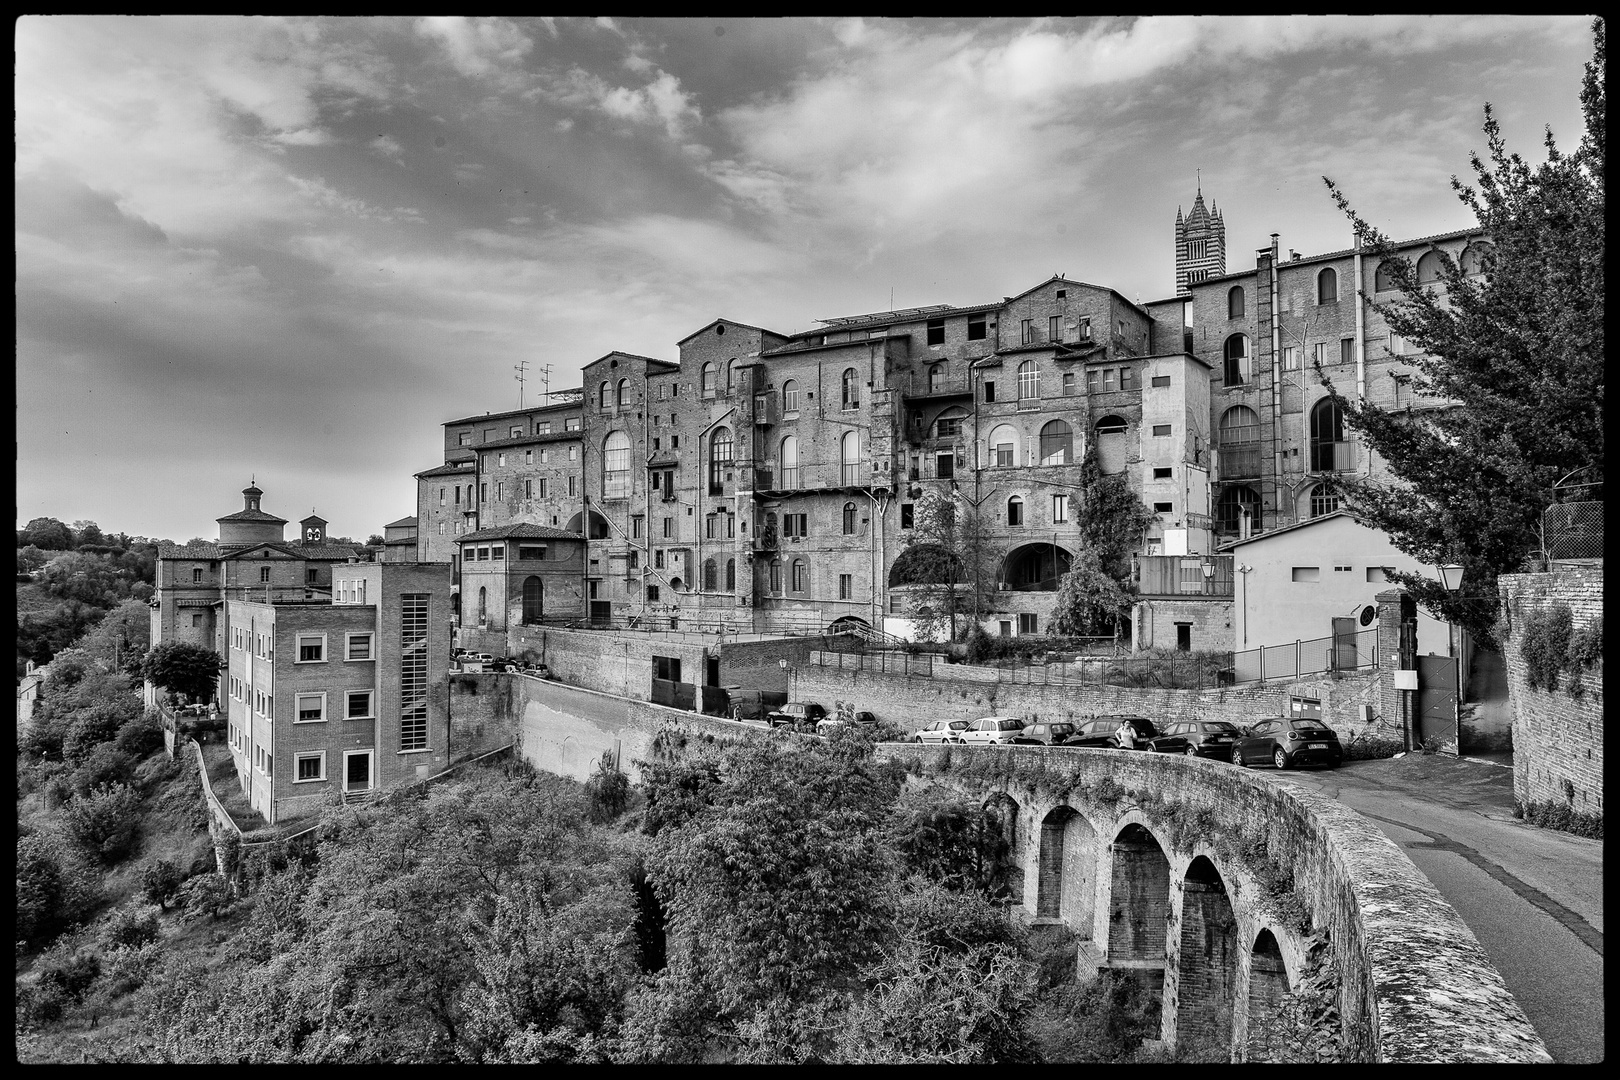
[312,531]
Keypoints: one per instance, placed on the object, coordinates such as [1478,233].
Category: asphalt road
[1533,897]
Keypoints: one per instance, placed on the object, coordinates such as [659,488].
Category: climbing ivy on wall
[1550,646]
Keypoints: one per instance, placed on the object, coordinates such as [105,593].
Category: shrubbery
[1561,816]
[55,889]
[103,822]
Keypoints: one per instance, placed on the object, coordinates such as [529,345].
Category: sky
[288,250]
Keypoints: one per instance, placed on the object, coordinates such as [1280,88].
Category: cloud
[661,102]
[477,47]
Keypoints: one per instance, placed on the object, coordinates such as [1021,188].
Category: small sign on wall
[1406,679]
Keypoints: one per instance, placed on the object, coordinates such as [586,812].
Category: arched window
[483,602]
[706,385]
[1234,303]
[1327,286]
[1015,511]
[852,393]
[936,378]
[1383,280]
[790,462]
[1003,447]
[1057,443]
[799,578]
[534,605]
[1329,450]
[728,376]
[1239,435]
[849,519]
[616,466]
[731,575]
[708,575]
[1237,360]
[948,425]
[1428,268]
[850,459]
[1112,444]
[790,396]
[719,459]
[624,393]
[1029,381]
[1231,507]
[1473,260]
[1323,501]
[603,401]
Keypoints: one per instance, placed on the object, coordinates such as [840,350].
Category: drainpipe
[1361,343]
[1276,383]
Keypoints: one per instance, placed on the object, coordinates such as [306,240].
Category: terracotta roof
[326,552]
[450,469]
[1268,534]
[401,523]
[520,531]
[521,412]
[188,551]
[253,515]
[401,541]
[729,322]
[1284,262]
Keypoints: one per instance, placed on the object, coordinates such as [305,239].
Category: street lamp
[1243,600]
[1451,577]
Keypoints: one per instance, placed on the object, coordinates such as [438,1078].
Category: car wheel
[1191,751]
[916,738]
[1279,758]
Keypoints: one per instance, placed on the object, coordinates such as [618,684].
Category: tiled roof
[521,531]
[1399,245]
[401,541]
[451,469]
[521,412]
[188,551]
[731,322]
[326,552]
[1268,534]
[252,515]
[401,523]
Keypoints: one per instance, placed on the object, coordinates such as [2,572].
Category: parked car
[1103,731]
[1286,743]
[539,671]
[799,715]
[1057,733]
[1205,738]
[988,730]
[939,731]
[827,723]
[753,705]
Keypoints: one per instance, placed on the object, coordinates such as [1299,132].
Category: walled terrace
[1227,889]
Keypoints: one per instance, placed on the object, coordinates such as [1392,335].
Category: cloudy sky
[291,249]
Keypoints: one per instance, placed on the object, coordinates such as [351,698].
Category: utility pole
[521,367]
[545,381]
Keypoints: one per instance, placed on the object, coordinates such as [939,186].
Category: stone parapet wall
[1557,737]
[962,691]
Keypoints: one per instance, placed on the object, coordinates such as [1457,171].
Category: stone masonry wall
[1557,738]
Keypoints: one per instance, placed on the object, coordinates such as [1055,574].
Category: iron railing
[1344,652]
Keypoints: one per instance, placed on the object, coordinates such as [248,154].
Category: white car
[988,730]
[939,731]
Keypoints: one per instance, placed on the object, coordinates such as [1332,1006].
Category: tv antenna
[545,381]
[521,367]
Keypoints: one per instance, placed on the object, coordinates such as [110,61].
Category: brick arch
[1004,810]
[1268,985]
[1066,869]
[1207,957]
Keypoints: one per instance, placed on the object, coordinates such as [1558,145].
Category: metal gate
[1437,701]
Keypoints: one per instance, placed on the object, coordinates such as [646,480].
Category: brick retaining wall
[1557,738]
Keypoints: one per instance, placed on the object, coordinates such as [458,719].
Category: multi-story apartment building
[765,480]
[339,695]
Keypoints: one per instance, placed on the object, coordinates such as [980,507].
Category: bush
[130,927]
[155,770]
[607,792]
[1562,817]
[160,880]
[106,766]
[95,724]
[205,894]
[68,972]
[1105,1020]
[142,735]
[55,889]
[1371,745]
[103,823]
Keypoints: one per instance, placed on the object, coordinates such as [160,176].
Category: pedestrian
[1126,736]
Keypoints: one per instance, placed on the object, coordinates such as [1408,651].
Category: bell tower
[1200,244]
[312,531]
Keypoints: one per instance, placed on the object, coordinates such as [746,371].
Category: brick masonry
[1557,738]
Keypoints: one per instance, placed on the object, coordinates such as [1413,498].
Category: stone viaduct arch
[1223,889]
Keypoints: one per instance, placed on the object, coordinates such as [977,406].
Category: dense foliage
[70,577]
[184,668]
[1519,352]
[950,565]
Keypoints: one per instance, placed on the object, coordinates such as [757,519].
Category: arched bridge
[1226,888]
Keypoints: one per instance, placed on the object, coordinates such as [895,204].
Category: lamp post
[1243,600]
[1451,577]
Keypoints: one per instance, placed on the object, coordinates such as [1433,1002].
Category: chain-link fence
[1573,530]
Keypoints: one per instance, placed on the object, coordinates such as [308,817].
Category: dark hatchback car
[1044,734]
[1205,738]
[1104,731]
[1286,743]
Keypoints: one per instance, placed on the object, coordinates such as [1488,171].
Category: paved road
[1533,897]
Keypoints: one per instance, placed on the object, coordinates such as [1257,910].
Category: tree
[122,637]
[103,823]
[46,533]
[87,532]
[1110,517]
[55,889]
[1089,601]
[374,540]
[951,563]
[1517,351]
[184,668]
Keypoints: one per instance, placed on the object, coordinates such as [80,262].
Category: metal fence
[1344,652]
[1573,530]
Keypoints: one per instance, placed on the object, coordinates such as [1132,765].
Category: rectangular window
[638,526]
[1307,573]
[498,552]
[674,442]
[1068,384]
[669,528]
[1161,474]
[1027,331]
[1054,329]
[976,327]
[1128,380]
[498,490]
[1001,455]
[311,708]
[528,457]
[359,646]
[1377,573]
[667,668]
[1026,622]
[458,494]
[989,391]
[1163,508]
[1347,350]
[652,594]
[464,438]
[545,455]
[1060,509]
[515,433]
[1343,569]
[1290,358]
[264,574]
[196,575]
[483,554]
[357,705]
[795,525]
[945,466]
[571,424]
[936,331]
[413,671]
[196,619]
[571,488]
[311,648]
[1108,379]
[502,460]
[846,586]
[531,551]
[1093,381]
[543,428]
[658,558]
[906,515]
[543,486]
[1319,353]
[483,492]
[1161,429]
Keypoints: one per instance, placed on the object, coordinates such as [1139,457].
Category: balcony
[818,477]
[921,385]
[1330,456]
[1240,461]
[1178,575]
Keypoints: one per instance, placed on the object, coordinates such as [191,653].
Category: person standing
[1126,736]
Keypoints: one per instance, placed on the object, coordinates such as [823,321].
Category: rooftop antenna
[891,297]
[521,367]
[545,381]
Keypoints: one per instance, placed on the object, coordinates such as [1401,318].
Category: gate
[1437,701]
